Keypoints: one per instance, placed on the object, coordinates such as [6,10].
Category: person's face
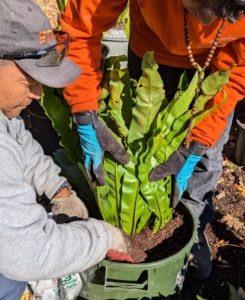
[17,90]
[203,14]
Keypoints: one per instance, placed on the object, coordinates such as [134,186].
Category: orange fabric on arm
[86,21]
[210,129]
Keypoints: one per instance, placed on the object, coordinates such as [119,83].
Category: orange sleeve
[210,129]
[86,21]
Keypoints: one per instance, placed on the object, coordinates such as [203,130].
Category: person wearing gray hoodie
[32,246]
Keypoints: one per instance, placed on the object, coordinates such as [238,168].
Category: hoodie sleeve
[86,21]
[210,129]
[40,171]
[32,246]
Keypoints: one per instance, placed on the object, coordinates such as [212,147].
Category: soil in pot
[176,234]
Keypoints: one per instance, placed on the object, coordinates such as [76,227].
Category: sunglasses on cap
[48,57]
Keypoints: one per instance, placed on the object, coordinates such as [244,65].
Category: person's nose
[36,91]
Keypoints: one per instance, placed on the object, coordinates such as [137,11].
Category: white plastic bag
[70,286]
[65,288]
[45,290]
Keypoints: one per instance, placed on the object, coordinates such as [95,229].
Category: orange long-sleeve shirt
[155,26]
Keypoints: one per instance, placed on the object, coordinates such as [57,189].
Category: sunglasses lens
[54,56]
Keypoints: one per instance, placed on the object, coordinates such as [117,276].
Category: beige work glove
[122,248]
[69,208]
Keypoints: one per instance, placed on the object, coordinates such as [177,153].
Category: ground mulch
[51,9]
[226,232]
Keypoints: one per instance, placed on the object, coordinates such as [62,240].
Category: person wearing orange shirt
[181,33]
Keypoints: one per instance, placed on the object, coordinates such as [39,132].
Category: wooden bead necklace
[194,64]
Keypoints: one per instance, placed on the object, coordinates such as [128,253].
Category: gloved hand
[181,164]
[95,138]
[122,249]
[69,208]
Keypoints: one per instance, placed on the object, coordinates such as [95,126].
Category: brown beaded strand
[194,64]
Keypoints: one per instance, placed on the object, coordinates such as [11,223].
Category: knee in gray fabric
[202,211]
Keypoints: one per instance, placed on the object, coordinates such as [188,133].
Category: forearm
[83,93]
[45,250]
[209,130]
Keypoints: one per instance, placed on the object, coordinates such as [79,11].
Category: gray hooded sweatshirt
[33,247]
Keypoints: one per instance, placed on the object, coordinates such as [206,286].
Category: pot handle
[126,279]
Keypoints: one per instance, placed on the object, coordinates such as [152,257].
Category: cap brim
[56,76]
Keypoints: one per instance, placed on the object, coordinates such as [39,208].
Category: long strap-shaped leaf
[115,101]
[177,107]
[182,86]
[177,140]
[157,195]
[133,208]
[211,86]
[57,109]
[174,139]
[109,196]
[150,94]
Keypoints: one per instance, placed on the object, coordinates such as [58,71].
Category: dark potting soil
[168,241]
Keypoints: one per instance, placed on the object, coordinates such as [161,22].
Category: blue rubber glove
[95,139]
[181,164]
[92,152]
[185,173]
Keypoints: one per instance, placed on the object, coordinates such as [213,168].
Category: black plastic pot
[240,140]
[42,129]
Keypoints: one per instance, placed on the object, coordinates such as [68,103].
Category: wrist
[63,191]
[195,148]
[88,117]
